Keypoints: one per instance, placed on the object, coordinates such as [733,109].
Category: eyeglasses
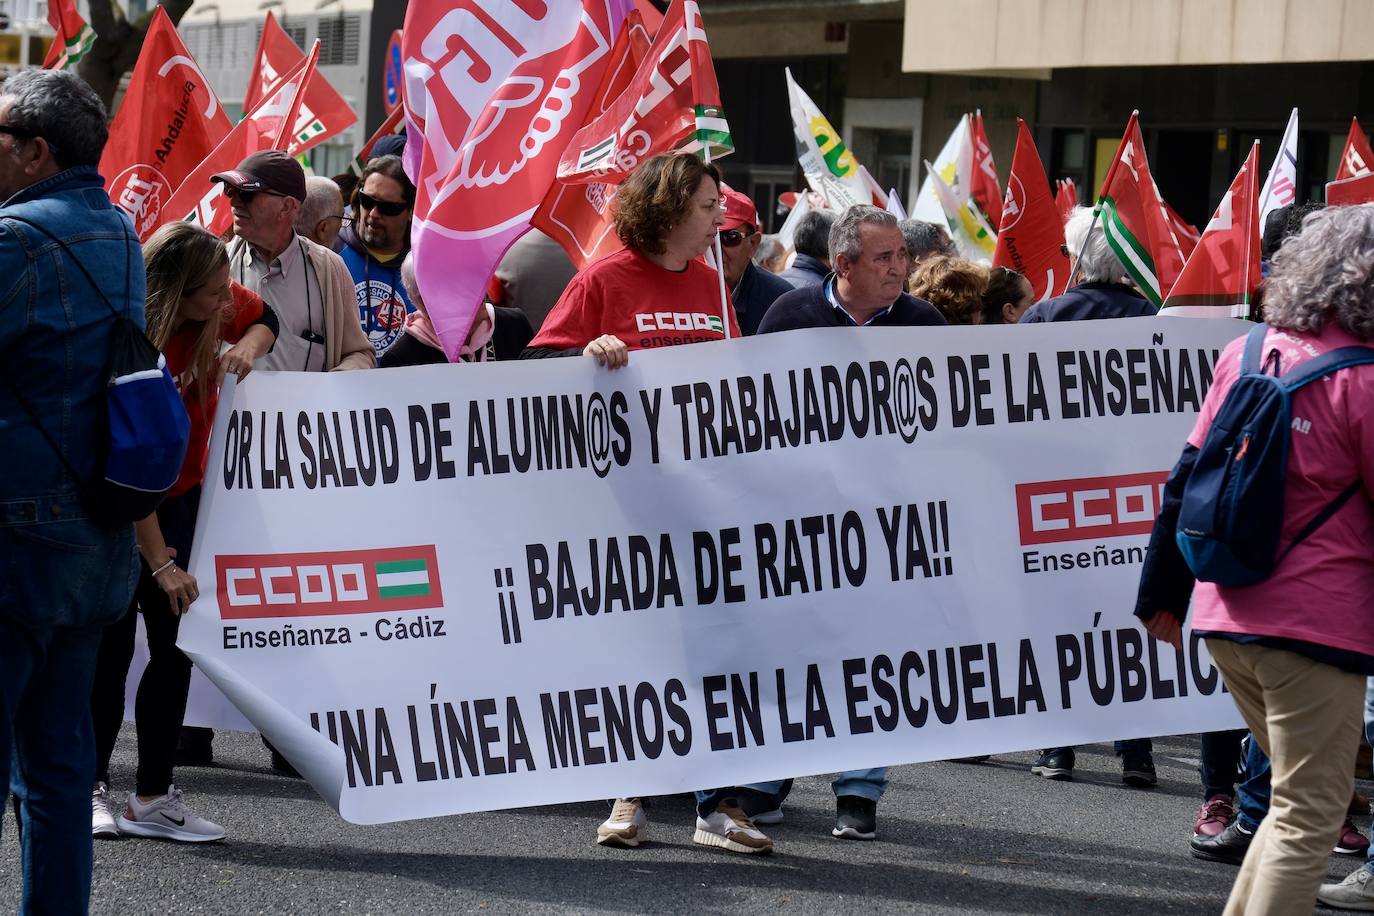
[732,237]
[384,207]
[246,195]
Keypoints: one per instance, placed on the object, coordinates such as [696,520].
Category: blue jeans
[1252,796]
[869,784]
[62,581]
[1220,752]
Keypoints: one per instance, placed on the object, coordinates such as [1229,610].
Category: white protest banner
[451,588]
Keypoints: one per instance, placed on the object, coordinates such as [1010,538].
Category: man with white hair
[1102,290]
[321,215]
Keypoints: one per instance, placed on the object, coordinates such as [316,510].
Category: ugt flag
[1356,159]
[1134,221]
[1031,240]
[578,216]
[265,127]
[73,36]
[1065,198]
[830,168]
[323,112]
[1223,271]
[493,94]
[170,120]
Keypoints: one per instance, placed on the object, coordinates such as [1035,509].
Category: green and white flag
[402,578]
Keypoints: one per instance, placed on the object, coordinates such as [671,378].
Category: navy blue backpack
[1232,511]
[147,429]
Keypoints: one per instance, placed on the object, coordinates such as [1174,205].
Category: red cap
[739,210]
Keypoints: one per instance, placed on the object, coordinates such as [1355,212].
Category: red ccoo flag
[1066,198]
[1031,240]
[1185,233]
[983,187]
[1357,158]
[265,127]
[1134,221]
[1220,277]
[323,113]
[169,122]
[578,216]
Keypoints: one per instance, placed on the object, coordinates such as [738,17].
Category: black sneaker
[1055,763]
[1229,846]
[855,818]
[1138,770]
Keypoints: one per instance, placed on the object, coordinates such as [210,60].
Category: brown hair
[391,167]
[952,285]
[656,197]
[179,259]
[1004,285]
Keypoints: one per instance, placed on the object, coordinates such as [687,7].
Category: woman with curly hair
[952,285]
[656,291]
[1295,648]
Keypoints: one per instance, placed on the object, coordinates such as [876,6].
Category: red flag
[395,123]
[578,216]
[983,187]
[673,102]
[323,113]
[1185,233]
[170,120]
[1134,221]
[1066,198]
[1031,240]
[1350,191]
[1357,158]
[651,17]
[1221,275]
[73,36]
[493,94]
[265,127]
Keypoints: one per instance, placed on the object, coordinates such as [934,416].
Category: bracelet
[163,568]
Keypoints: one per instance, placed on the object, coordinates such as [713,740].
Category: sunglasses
[246,195]
[384,207]
[732,237]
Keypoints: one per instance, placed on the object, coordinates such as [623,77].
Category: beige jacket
[345,344]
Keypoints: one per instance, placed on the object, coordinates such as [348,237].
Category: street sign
[391,76]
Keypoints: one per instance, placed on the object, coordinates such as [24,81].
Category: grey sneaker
[167,818]
[1356,892]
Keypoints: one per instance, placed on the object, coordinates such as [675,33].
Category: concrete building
[895,75]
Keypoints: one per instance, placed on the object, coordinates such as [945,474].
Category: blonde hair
[179,259]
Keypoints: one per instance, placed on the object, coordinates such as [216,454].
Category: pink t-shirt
[1323,592]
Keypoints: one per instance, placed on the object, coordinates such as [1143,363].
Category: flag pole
[720,259]
[1251,213]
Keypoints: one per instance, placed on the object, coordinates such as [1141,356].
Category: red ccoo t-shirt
[645,305]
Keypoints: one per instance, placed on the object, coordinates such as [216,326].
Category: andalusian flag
[403,578]
[73,39]
[1223,271]
[1134,221]
[830,168]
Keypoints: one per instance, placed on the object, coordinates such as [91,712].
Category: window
[339,40]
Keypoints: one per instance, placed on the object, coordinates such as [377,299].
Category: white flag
[830,168]
[894,204]
[1281,187]
[973,237]
[955,166]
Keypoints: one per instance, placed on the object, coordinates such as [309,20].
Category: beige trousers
[1307,717]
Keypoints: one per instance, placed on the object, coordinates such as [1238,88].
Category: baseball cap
[268,170]
[739,210]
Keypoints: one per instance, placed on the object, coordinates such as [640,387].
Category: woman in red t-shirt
[193,311]
[656,291]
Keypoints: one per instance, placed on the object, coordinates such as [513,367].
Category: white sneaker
[1356,892]
[627,825]
[102,818]
[728,827]
[167,818]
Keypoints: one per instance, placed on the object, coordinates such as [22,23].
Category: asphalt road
[953,838]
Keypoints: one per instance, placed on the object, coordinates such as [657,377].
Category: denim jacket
[55,336]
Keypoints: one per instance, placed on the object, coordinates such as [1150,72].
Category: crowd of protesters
[319,276]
